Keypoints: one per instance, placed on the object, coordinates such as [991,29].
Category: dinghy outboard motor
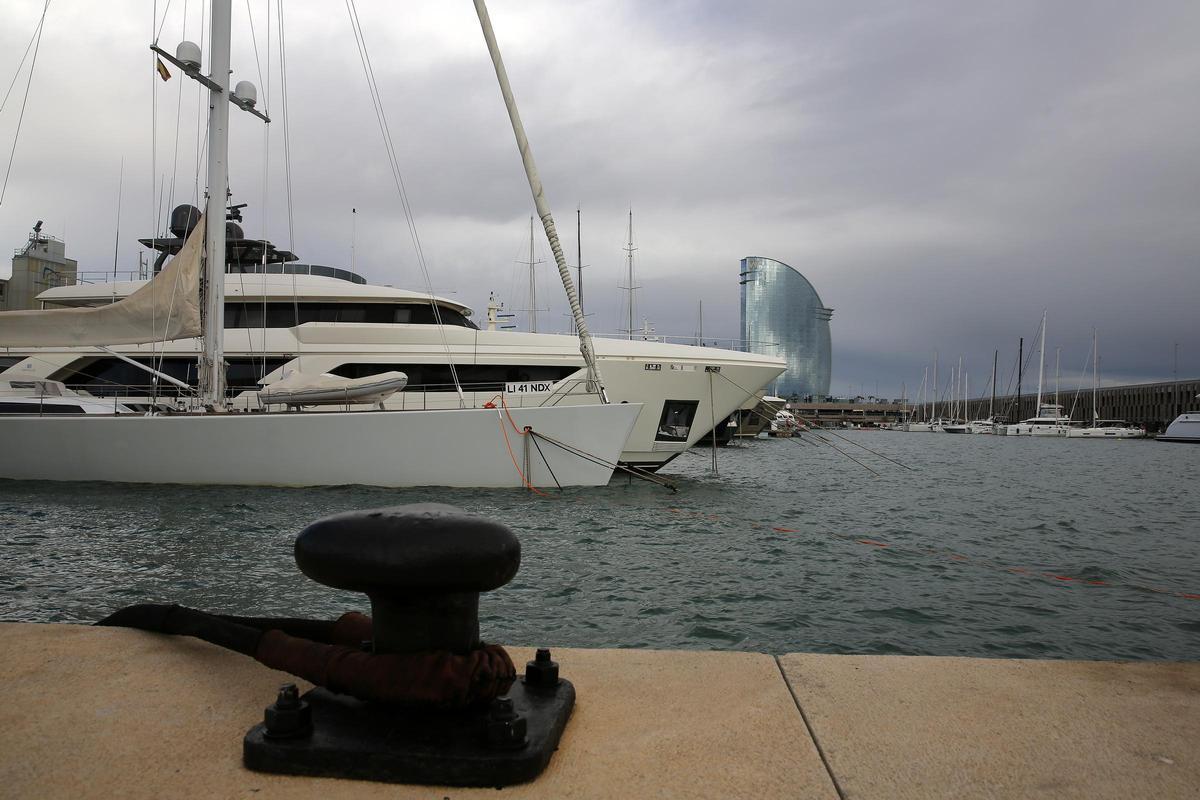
[410,694]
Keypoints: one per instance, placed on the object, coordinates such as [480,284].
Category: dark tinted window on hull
[676,421]
[112,376]
[39,408]
[285,315]
[473,377]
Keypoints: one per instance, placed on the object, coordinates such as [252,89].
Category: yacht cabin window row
[287,314]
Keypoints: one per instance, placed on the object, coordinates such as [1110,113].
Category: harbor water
[977,546]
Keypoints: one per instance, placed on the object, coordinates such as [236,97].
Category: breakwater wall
[1151,404]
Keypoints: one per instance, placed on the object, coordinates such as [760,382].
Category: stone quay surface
[109,712]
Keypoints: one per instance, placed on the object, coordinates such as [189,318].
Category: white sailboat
[921,425]
[477,447]
[957,422]
[1049,420]
[1102,428]
[988,426]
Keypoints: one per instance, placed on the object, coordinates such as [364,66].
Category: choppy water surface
[994,547]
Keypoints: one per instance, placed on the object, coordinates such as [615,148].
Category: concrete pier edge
[104,712]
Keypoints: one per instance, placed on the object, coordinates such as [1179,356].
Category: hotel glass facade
[782,315]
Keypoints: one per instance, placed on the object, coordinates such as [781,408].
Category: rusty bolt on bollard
[541,672]
[506,728]
[288,717]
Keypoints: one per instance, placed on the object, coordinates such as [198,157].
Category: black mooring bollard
[423,567]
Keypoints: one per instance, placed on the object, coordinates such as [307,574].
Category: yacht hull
[1105,433]
[636,372]
[1185,429]
[454,447]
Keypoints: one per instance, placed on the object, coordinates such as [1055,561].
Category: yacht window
[473,377]
[287,314]
[8,361]
[106,377]
[676,420]
[39,408]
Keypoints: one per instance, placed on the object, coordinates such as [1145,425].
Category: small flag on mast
[163,72]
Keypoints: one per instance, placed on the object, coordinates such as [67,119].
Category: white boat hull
[646,373]
[458,447]
[1185,428]
[1105,433]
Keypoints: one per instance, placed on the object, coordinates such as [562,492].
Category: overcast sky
[940,171]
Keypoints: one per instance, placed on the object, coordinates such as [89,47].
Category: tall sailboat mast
[1020,372]
[629,248]
[578,260]
[586,348]
[1095,376]
[1041,368]
[1057,359]
[936,388]
[212,361]
[532,284]
[962,392]
[992,404]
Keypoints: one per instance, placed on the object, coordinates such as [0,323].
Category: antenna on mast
[531,263]
[629,248]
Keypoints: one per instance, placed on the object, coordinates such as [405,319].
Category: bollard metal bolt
[506,728]
[541,672]
[288,717]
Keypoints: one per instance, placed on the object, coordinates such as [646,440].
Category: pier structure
[113,712]
[1153,405]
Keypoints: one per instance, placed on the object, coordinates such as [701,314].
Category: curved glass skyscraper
[782,315]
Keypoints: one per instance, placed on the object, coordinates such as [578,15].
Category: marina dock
[110,712]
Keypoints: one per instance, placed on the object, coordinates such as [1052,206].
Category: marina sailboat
[209,442]
[1102,428]
[1049,420]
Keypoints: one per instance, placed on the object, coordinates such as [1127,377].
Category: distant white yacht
[1185,428]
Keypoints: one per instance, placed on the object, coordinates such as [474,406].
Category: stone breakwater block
[928,728]
[112,712]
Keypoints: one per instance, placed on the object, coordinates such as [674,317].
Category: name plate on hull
[528,387]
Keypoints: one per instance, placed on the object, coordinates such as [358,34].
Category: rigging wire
[178,112]
[266,172]
[287,171]
[37,43]
[199,119]
[21,64]
[156,26]
[393,161]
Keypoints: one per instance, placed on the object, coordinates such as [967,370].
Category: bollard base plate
[367,741]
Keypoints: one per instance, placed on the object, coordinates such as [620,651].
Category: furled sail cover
[168,307]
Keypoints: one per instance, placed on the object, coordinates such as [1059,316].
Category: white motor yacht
[1185,428]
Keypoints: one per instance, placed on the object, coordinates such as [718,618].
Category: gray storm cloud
[941,172]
